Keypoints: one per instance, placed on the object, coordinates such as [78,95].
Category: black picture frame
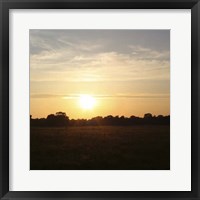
[5,5]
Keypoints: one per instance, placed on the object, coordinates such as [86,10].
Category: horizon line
[103,116]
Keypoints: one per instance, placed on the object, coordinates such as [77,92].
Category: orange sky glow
[89,73]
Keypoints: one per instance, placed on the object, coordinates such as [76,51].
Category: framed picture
[99,99]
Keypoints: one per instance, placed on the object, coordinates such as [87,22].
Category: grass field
[100,148]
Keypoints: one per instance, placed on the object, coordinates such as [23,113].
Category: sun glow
[87,102]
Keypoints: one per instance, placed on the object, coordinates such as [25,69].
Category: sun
[87,102]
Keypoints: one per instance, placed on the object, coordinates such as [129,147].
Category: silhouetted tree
[148,115]
[61,119]
[61,114]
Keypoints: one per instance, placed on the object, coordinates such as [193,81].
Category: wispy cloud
[41,42]
[100,96]
[59,55]
[143,53]
[68,65]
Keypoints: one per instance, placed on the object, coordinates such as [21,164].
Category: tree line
[60,119]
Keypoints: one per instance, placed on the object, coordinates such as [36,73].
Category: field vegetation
[138,147]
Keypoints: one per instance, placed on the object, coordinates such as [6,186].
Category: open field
[100,148]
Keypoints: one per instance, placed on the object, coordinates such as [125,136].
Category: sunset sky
[117,72]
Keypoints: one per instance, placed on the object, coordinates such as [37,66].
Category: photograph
[99,99]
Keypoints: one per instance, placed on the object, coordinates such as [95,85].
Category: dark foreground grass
[100,148]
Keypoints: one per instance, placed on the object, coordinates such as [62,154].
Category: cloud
[104,66]
[101,96]
[47,41]
[142,53]
[57,56]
